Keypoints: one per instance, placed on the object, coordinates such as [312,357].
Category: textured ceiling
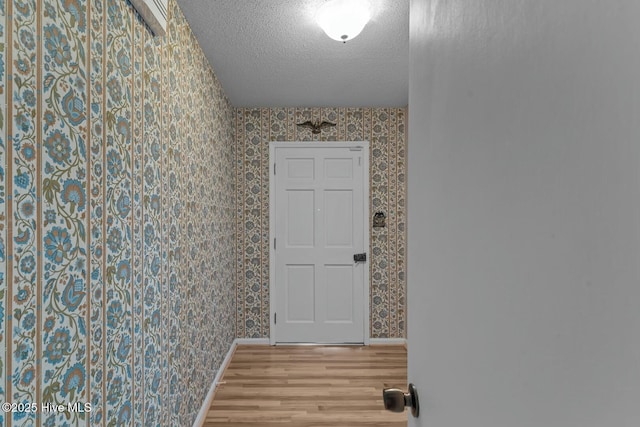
[272,53]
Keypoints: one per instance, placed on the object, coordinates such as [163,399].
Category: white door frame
[366,223]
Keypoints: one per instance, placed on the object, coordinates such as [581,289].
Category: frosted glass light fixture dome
[343,20]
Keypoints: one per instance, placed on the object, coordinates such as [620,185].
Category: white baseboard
[252,341]
[202,415]
[388,341]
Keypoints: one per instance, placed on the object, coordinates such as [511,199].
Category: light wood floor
[309,386]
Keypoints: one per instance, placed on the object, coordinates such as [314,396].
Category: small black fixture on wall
[379,220]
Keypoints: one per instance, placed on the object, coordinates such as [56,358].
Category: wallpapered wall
[385,128]
[117,278]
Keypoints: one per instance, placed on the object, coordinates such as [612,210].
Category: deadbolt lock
[360,257]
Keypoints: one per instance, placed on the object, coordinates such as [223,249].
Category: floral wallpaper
[385,128]
[117,235]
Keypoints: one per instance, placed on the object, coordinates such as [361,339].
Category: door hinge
[274,243]
[275,318]
[274,168]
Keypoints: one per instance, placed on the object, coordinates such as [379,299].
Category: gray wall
[524,159]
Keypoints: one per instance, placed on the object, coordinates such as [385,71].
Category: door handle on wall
[360,257]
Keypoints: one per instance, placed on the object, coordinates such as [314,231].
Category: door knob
[395,400]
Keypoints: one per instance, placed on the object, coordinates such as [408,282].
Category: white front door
[319,209]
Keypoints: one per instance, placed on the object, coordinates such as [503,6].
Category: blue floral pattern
[63,192]
[118,210]
[20,182]
[136,411]
[97,250]
[152,228]
[114,296]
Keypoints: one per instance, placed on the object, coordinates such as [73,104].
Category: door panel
[339,293]
[300,294]
[318,225]
[338,168]
[300,218]
[338,218]
[300,168]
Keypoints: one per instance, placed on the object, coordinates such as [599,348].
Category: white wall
[524,212]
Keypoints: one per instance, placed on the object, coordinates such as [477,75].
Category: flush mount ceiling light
[343,20]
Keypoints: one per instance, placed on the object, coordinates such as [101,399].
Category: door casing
[273,146]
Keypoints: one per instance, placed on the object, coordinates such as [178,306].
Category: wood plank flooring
[309,386]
